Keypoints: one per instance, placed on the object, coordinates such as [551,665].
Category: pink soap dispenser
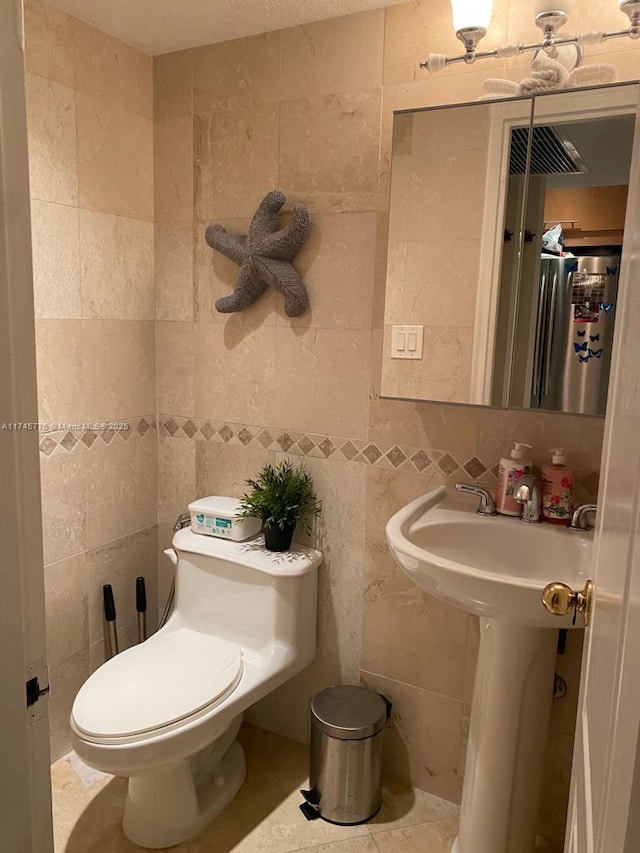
[510,469]
[558,486]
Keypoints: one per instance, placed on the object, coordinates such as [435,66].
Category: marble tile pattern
[55,241]
[90,130]
[53,155]
[49,42]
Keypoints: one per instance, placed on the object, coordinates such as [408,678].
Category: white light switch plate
[406,341]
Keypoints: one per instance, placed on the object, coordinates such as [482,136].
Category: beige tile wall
[90,107]
[309,110]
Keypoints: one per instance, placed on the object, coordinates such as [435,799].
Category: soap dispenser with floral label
[509,472]
[558,486]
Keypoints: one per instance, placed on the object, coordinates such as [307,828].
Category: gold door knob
[560,599]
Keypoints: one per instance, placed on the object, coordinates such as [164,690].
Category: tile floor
[263,818]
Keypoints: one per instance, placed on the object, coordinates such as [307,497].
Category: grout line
[413,687]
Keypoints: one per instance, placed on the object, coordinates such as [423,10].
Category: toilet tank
[242,592]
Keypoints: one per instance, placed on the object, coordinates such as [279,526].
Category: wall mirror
[505,232]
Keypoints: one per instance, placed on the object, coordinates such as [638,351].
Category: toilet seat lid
[169,677]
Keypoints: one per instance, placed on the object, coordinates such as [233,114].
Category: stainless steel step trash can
[345,777]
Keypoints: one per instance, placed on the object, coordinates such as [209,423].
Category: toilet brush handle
[141,595]
[109,603]
[110,633]
[141,607]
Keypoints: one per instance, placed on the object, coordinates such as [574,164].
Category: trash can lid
[348,712]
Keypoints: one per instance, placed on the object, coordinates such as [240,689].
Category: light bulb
[540,6]
[471,13]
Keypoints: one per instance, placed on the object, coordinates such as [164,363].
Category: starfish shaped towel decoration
[264,256]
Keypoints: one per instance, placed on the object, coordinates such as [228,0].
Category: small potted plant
[282,496]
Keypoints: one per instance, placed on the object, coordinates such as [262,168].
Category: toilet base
[168,809]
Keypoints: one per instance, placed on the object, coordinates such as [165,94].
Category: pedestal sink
[497,567]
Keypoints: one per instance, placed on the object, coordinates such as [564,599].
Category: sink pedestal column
[507,738]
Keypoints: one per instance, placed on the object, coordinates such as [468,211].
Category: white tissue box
[216,516]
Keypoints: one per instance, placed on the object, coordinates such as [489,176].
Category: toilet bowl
[166,713]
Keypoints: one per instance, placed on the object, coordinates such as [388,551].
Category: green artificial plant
[282,496]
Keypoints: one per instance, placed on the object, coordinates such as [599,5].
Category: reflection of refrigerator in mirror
[563,324]
[574,333]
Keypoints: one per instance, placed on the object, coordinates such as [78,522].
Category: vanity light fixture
[471,20]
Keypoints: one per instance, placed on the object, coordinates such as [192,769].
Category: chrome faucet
[487,504]
[579,519]
[527,492]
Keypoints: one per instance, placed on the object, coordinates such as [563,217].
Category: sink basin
[495,566]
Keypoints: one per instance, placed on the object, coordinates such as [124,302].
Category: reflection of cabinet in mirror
[589,215]
[468,183]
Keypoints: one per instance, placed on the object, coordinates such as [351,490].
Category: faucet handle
[487,505]
[579,519]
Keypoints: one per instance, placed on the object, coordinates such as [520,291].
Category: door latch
[34,691]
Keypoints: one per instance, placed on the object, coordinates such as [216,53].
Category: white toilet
[166,713]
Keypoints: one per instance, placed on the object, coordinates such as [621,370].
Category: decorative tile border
[81,437]
[397,457]
[400,457]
